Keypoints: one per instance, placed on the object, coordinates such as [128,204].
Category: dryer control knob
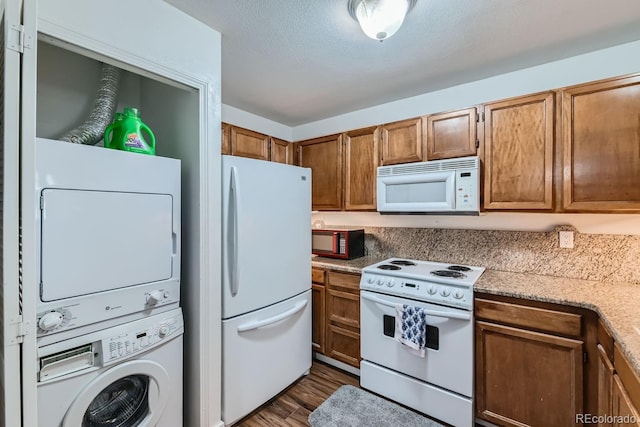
[50,321]
[163,331]
[154,297]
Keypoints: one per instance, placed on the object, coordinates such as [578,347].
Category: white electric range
[440,384]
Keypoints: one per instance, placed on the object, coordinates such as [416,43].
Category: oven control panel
[421,290]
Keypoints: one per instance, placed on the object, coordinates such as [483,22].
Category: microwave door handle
[232,233]
[335,242]
[434,313]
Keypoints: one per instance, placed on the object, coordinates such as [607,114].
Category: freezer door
[262,353]
[95,241]
[266,233]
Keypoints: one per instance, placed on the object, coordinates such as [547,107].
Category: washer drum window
[124,403]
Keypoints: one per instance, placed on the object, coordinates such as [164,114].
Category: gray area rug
[350,406]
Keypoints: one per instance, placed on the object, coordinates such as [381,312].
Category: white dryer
[123,376]
[109,238]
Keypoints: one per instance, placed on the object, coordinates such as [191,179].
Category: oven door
[448,362]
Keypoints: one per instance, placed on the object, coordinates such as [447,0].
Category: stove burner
[458,268]
[388,267]
[449,273]
[402,262]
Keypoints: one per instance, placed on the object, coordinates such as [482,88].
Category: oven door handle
[434,313]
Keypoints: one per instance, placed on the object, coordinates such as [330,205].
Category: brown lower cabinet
[531,363]
[336,315]
[618,385]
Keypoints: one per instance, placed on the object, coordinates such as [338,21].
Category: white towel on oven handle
[411,328]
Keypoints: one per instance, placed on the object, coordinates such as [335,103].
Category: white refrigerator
[266,281]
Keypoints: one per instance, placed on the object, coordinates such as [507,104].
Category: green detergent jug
[130,134]
[113,131]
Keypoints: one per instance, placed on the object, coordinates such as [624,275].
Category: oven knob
[432,290]
[458,294]
[50,321]
[390,284]
[154,297]
[445,292]
[379,282]
[370,280]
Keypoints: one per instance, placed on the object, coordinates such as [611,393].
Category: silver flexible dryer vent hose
[92,130]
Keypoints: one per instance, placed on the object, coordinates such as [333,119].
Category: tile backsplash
[605,257]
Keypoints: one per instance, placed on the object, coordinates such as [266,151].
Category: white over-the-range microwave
[438,187]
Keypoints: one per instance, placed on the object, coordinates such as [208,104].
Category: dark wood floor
[293,406]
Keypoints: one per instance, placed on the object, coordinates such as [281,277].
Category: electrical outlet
[566,239]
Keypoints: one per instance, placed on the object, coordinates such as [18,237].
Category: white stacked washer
[127,375]
[440,384]
[109,235]
[110,328]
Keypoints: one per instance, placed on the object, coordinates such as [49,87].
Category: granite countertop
[615,302]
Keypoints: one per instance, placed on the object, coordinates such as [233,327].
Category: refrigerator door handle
[232,233]
[271,320]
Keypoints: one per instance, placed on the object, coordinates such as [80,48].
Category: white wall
[235,116]
[520,221]
[615,61]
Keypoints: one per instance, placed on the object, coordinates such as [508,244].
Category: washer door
[133,394]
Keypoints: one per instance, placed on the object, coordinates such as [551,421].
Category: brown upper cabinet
[401,142]
[247,143]
[225,139]
[281,151]
[601,145]
[242,142]
[360,163]
[451,134]
[518,153]
[324,157]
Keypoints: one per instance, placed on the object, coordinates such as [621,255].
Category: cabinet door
[605,380]
[518,153]
[225,139]
[452,134]
[343,317]
[281,151]
[361,162]
[324,157]
[401,142]
[601,145]
[624,413]
[526,378]
[247,143]
[318,318]
[343,326]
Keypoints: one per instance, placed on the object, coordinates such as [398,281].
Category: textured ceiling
[297,62]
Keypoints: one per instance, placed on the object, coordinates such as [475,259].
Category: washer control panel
[134,341]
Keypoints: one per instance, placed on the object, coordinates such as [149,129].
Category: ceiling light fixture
[380,19]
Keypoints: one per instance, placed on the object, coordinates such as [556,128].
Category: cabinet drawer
[605,339]
[344,280]
[529,317]
[317,276]
[343,345]
[343,308]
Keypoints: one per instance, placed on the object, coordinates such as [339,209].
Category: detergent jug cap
[130,111]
